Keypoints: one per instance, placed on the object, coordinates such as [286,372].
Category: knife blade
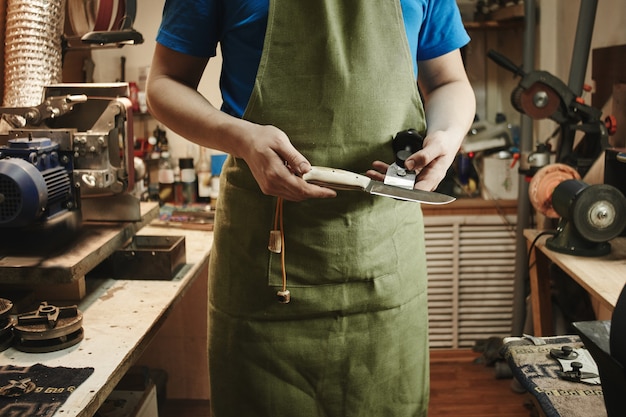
[339,179]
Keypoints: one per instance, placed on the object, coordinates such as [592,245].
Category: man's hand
[277,166]
[431,163]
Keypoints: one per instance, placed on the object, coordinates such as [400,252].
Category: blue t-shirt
[195,27]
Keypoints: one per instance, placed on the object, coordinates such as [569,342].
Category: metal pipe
[34,29]
[582,45]
[520,287]
[578,70]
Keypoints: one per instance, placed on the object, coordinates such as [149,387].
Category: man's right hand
[277,165]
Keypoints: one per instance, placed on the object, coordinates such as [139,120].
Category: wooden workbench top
[470,206]
[94,243]
[120,317]
[603,277]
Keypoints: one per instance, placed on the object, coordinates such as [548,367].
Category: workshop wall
[555,39]
[556,33]
[138,58]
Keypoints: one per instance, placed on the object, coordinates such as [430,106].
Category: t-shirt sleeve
[190,27]
[442,30]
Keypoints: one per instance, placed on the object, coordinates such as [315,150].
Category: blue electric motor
[36,190]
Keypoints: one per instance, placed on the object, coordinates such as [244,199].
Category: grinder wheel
[597,212]
[539,101]
[48,329]
[516,99]
[543,184]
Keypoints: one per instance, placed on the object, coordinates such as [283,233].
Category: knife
[339,179]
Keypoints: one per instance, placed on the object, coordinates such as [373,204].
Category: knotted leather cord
[278,225]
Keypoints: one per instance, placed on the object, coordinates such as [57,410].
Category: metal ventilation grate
[471,268]
[10,199]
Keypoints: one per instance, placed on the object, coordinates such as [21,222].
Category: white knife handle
[337,179]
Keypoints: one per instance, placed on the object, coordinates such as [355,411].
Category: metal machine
[66,160]
[541,95]
[590,215]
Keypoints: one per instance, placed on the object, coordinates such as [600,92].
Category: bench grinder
[590,215]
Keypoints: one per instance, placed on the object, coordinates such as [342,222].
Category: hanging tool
[541,95]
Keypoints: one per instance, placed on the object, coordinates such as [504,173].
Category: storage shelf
[517,23]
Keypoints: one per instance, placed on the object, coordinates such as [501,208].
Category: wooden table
[602,277]
[121,318]
[60,274]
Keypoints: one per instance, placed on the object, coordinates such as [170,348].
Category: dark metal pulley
[48,329]
[6,324]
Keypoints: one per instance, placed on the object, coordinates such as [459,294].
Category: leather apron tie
[337,77]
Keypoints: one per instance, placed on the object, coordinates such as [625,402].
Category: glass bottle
[166,178]
[188,180]
[203,172]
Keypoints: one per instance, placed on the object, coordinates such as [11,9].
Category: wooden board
[602,277]
[62,274]
[120,318]
[619,112]
[471,206]
[515,11]
[608,68]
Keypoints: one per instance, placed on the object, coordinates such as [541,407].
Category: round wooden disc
[543,184]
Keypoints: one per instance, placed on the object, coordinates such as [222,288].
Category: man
[328,83]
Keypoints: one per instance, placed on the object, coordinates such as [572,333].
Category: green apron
[337,77]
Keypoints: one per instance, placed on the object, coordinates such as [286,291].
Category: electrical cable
[534,243]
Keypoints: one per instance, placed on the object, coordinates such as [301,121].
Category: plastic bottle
[203,173]
[188,180]
[166,178]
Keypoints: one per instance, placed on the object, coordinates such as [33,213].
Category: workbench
[124,321]
[602,277]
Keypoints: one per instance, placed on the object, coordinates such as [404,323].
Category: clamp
[404,144]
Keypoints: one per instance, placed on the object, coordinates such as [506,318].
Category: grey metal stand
[578,68]
[523,203]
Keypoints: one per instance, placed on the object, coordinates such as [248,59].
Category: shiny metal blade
[420,196]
